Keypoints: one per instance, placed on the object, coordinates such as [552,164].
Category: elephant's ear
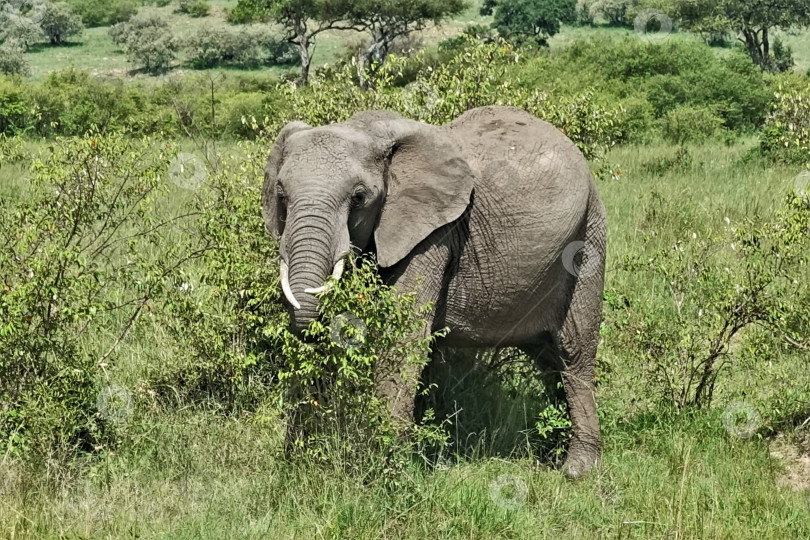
[429,184]
[271,211]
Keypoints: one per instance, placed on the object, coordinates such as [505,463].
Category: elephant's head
[375,182]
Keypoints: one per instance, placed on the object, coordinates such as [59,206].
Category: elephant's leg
[422,273]
[578,381]
[577,342]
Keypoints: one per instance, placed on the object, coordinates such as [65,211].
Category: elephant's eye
[358,198]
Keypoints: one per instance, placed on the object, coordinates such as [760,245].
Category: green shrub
[781,56]
[786,134]
[240,113]
[722,283]
[586,12]
[527,21]
[13,61]
[245,47]
[59,22]
[75,277]
[617,12]
[672,74]
[15,108]
[147,41]
[72,102]
[195,8]
[19,29]
[686,123]
[635,120]
[103,12]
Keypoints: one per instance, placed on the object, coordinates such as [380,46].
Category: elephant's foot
[582,459]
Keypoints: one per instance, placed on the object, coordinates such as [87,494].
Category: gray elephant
[493,218]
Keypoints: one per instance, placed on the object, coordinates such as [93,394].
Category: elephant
[493,218]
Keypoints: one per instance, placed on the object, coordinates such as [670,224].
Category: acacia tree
[752,20]
[302,20]
[521,21]
[387,20]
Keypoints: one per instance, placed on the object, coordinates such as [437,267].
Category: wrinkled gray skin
[478,213]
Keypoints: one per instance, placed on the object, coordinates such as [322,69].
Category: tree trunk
[306,60]
[752,45]
[365,57]
[302,39]
[766,49]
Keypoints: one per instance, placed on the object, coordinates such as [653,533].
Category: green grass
[197,474]
[209,478]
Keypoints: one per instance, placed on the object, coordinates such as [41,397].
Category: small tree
[753,20]
[387,20]
[12,60]
[524,21]
[302,20]
[147,41]
[20,23]
[59,22]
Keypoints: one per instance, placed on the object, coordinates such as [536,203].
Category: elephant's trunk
[311,248]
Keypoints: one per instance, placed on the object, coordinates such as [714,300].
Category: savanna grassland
[134,258]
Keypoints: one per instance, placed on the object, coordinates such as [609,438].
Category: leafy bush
[676,73]
[74,266]
[684,124]
[59,22]
[103,12]
[247,46]
[586,12]
[195,8]
[529,21]
[786,134]
[617,12]
[722,283]
[14,108]
[781,56]
[71,102]
[19,28]
[12,62]
[147,42]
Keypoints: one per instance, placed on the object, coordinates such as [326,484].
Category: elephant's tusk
[337,271]
[285,286]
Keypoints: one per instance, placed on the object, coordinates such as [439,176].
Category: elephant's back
[513,150]
[529,173]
